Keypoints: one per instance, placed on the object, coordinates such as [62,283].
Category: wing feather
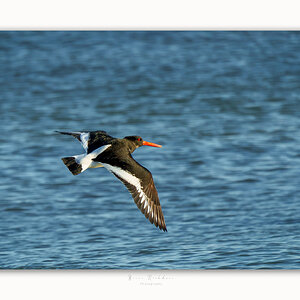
[143,193]
[90,140]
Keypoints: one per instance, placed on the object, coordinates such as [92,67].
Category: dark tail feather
[72,165]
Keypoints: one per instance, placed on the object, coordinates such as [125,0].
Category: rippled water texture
[224,105]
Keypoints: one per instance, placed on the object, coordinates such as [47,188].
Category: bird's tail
[74,167]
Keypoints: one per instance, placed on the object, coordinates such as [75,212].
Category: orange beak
[151,144]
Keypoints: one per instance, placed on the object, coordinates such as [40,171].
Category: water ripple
[225,107]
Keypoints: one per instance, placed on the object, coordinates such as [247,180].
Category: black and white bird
[102,150]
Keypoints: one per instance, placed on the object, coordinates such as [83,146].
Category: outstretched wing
[90,140]
[141,187]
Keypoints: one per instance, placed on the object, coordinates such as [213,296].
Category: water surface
[224,105]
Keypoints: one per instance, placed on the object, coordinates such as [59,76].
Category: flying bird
[114,154]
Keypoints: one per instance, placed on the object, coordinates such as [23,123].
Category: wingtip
[61,132]
[163,228]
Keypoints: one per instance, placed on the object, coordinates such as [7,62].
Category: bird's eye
[139,139]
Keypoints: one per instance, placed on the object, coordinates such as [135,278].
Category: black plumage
[118,160]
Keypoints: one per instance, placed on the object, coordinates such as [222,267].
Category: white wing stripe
[84,137]
[131,179]
[142,197]
[125,176]
[99,150]
[86,160]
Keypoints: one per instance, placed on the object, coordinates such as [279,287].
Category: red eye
[139,139]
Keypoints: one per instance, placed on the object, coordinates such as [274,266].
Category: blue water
[224,105]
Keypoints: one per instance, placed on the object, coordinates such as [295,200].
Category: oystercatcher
[102,150]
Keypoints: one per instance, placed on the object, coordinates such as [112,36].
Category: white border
[149,285]
[157,15]
[154,14]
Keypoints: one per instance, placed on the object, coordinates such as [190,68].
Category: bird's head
[137,141]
